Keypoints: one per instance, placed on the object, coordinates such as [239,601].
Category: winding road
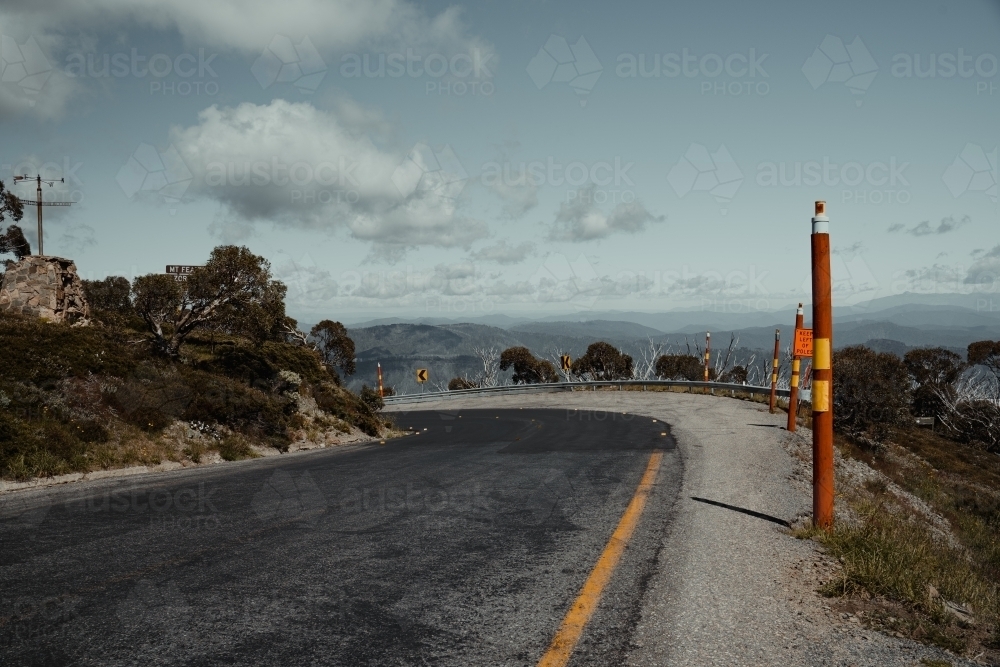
[466,542]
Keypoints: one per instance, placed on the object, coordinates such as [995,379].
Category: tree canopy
[681,367]
[527,369]
[603,361]
[234,287]
[986,353]
[12,240]
[330,339]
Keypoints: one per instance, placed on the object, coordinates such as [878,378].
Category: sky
[393,158]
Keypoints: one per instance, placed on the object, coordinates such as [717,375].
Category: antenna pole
[38,205]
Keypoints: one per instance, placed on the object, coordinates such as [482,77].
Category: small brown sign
[803,343]
[565,362]
[421,375]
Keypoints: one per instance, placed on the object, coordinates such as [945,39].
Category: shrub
[735,375]
[371,398]
[603,361]
[871,395]
[527,369]
[235,448]
[682,367]
[934,371]
[347,406]
[260,366]
[456,384]
[221,400]
[152,398]
[109,298]
[39,353]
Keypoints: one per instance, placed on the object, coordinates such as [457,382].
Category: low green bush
[64,390]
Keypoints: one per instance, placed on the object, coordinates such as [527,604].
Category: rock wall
[46,287]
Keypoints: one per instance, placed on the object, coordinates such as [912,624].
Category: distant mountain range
[448,347]
[907,309]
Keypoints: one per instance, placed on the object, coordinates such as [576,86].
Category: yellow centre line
[583,607]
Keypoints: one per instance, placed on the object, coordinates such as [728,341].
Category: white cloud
[463,287]
[39,36]
[503,252]
[296,165]
[925,228]
[986,269]
[581,220]
[517,199]
[249,25]
[516,188]
[30,81]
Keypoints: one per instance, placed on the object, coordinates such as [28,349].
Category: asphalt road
[463,545]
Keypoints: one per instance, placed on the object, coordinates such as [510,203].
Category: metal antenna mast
[38,200]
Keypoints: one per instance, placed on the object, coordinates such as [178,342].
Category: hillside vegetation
[918,528]
[129,389]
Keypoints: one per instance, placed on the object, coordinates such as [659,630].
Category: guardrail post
[774,369]
[793,393]
[822,369]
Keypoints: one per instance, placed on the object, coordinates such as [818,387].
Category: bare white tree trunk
[489,357]
[644,368]
[972,387]
[721,368]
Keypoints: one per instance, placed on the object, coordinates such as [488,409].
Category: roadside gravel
[732,588]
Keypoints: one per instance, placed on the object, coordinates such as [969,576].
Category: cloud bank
[293,164]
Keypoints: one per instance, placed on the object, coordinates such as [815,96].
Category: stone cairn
[45,287]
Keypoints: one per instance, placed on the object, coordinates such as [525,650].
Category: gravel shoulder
[732,588]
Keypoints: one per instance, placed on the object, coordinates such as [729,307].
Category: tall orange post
[822,369]
[380,391]
[708,353]
[774,369]
[793,394]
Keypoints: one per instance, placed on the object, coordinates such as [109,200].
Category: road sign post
[822,368]
[566,364]
[381,392]
[797,354]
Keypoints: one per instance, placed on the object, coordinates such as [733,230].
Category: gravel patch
[733,588]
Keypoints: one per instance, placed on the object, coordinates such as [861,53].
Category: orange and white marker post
[822,369]
[380,390]
[774,369]
[708,353]
[793,393]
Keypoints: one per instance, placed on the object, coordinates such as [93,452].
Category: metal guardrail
[580,386]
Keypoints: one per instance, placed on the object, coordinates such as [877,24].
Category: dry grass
[909,567]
